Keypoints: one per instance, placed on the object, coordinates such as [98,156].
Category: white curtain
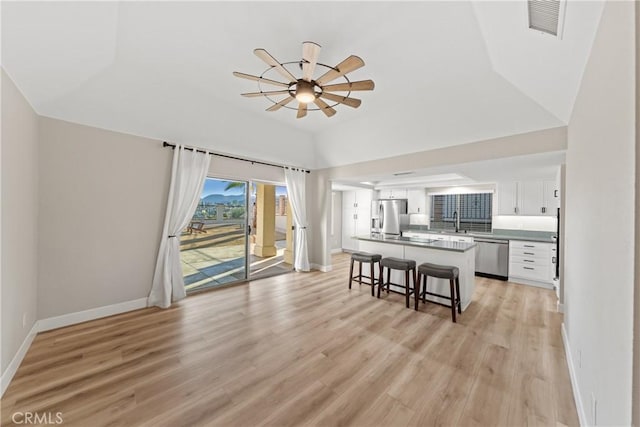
[188,172]
[295,180]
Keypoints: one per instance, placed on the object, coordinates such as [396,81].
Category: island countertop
[419,242]
[458,254]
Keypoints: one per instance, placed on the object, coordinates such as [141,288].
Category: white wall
[336,220]
[599,238]
[102,203]
[19,225]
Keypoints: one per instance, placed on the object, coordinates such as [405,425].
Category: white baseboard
[91,314]
[582,416]
[336,251]
[59,322]
[11,370]
[323,268]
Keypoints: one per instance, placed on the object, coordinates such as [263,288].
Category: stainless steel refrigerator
[388,215]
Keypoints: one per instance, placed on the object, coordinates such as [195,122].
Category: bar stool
[405,265]
[442,272]
[371,259]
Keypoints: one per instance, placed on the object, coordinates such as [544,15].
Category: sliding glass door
[214,245]
[271,238]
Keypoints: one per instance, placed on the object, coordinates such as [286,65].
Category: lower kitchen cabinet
[531,263]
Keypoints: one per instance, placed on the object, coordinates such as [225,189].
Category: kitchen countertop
[419,242]
[526,235]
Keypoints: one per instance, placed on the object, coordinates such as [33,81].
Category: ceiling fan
[306,89]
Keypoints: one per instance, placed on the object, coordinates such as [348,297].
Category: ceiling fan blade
[270,60]
[280,104]
[259,79]
[351,102]
[351,86]
[310,53]
[324,107]
[302,110]
[350,64]
[256,94]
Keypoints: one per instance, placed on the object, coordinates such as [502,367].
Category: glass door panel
[271,239]
[213,246]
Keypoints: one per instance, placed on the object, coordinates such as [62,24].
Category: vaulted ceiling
[446,73]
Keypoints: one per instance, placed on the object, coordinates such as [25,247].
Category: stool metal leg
[406,287]
[416,292]
[453,300]
[425,279]
[373,277]
[350,273]
[459,302]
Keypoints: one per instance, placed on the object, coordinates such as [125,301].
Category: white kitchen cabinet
[417,201]
[531,197]
[554,261]
[551,198]
[530,263]
[538,198]
[393,193]
[356,216]
[507,198]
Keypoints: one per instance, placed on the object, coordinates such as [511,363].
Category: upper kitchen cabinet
[417,201]
[508,198]
[539,198]
[531,195]
[551,198]
[394,193]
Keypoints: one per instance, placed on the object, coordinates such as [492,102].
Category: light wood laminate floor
[303,349]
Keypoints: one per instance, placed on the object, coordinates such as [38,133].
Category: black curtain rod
[166,144]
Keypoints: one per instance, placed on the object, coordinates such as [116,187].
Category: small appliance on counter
[388,216]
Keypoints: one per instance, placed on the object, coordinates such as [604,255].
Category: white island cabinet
[458,254]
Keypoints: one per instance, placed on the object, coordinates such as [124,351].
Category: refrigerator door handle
[381,216]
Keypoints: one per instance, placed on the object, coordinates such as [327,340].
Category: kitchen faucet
[455,220]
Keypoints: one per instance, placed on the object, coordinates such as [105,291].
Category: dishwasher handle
[497,242]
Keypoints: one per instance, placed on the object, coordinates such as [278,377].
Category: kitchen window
[464,212]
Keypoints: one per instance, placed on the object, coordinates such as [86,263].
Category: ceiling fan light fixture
[306,89]
[305,92]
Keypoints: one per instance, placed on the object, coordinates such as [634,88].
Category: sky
[217,186]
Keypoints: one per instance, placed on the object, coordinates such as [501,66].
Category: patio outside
[213,245]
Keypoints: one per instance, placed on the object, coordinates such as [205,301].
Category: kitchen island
[458,254]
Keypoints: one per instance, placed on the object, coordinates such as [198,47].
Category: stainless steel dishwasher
[492,257]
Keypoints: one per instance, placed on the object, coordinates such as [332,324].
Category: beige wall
[599,237]
[636,329]
[19,225]
[102,203]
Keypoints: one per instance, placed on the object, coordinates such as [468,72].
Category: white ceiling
[446,73]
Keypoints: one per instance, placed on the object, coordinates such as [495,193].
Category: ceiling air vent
[544,15]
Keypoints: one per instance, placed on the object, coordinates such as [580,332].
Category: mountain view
[214,199]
